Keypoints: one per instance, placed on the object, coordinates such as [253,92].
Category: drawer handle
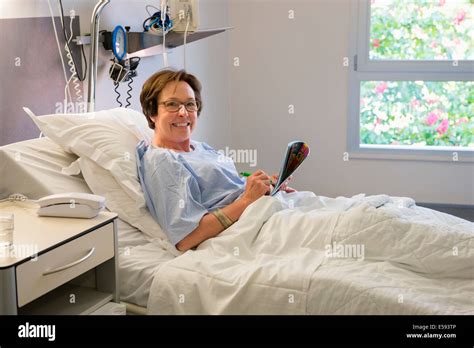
[69,265]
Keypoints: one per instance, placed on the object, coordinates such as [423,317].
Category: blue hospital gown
[181,187]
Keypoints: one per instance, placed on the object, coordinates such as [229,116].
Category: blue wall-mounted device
[119,42]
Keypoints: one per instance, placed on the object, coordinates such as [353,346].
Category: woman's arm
[257,185]
[210,227]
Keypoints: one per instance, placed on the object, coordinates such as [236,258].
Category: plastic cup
[6,229]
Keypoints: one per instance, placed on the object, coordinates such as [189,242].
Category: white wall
[207,58]
[300,62]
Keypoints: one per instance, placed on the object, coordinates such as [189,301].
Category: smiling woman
[190,189]
[164,93]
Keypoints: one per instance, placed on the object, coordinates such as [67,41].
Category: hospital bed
[258,266]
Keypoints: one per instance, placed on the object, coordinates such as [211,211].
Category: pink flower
[443,127]
[457,41]
[432,118]
[378,121]
[434,44]
[376,43]
[415,102]
[381,88]
[460,17]
[441,2]
[431,101]
[462,120]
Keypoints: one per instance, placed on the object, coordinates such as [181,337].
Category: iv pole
[94,54]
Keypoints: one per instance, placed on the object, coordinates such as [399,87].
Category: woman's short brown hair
[156,83]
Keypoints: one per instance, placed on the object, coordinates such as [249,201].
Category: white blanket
[299,253]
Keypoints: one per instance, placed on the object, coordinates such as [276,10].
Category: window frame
[364,69]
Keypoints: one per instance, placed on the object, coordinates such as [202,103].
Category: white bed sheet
[343,287]
[138,261]
[274,261]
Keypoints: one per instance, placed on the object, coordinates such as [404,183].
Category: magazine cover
[296,153]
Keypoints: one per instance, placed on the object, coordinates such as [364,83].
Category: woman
[191,192]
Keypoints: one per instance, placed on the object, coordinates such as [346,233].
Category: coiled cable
[75,79]
[72,68]
[57,42]
[118,94]
[129,84]
[81,78]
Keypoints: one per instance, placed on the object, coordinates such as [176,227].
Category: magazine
[296,153]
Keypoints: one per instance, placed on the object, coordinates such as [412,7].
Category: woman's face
[175,127]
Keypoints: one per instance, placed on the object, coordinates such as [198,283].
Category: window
[412,79]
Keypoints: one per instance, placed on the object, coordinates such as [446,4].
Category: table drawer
[58,266]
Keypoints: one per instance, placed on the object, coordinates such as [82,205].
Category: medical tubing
[57,42]
[163,18]
[118,94]
[65,38]
[149,26]
[146,9]
[128,92]
[185,36]
[61,17]
[72,69]
[67,90]
[66,87]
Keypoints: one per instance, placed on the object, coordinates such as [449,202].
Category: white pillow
[106,137]
[102,183]
[35,168]
[105,141]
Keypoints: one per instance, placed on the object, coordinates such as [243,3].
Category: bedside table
[58,265]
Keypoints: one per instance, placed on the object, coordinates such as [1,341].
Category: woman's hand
[258,184]
[284,186]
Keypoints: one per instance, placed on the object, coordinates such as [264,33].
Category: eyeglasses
[174,105]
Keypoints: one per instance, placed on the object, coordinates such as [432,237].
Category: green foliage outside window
[422,29]
[423,113]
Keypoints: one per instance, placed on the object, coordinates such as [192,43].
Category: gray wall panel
[31,73]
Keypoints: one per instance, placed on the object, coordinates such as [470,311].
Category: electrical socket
[180,9]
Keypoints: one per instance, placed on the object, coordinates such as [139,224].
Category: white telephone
[73,204]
